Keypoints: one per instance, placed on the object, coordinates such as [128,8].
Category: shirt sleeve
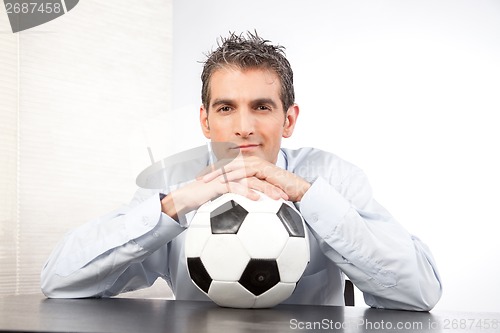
[105,256]
[394,269]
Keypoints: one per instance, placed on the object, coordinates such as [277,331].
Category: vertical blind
[73,94]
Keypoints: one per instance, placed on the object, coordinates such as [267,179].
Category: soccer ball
[247,254]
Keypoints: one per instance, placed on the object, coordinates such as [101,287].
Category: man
[248,102]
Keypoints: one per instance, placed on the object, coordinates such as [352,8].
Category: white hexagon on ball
[223,293]
[293,259]
[198,235]
[224,257]
[263,235]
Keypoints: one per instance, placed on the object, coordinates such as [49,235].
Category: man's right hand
[198,192]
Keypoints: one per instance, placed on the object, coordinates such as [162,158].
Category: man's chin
[259,154]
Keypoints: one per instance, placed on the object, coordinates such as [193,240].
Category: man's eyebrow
[256,102]
[221,101]
[264,101]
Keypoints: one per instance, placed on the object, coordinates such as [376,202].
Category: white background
[407,90]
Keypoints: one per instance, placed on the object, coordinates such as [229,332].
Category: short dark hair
[248,52]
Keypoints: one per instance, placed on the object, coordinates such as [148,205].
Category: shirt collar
[281,162]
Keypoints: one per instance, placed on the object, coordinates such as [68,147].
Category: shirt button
[155,234]
[145,220]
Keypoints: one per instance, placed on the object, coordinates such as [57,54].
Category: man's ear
[205,127]
[290,120]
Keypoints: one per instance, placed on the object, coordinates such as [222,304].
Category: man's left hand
[252,167]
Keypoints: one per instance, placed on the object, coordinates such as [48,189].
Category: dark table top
[37,314]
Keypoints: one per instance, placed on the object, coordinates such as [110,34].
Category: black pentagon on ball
[291,220]
[227,218]
[260,275]
[199,274]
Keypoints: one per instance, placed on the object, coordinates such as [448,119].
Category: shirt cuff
[142,218]
[323,207]
[166,230]
[161,227]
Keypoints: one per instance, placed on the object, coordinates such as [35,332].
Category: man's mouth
[246,147]
[253,145]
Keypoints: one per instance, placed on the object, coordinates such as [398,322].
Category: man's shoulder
[311,154]
[312,162]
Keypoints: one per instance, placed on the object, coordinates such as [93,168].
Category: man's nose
[244,124]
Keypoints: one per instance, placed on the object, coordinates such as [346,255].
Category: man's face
[245,109]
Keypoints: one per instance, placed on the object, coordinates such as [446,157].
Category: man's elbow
[430,296]
[55,286]
[50,288]
[427,296]
[418,298]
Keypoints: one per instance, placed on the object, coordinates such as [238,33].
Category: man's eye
[263,108]
[225,108]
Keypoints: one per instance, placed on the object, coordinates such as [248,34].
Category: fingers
[242,190]
[253,173]
[248,186]
[268,189]
[193,195]
[220,169]
[213,171]
[237,169]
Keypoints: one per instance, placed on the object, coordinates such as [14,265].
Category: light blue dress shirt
[350,233]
